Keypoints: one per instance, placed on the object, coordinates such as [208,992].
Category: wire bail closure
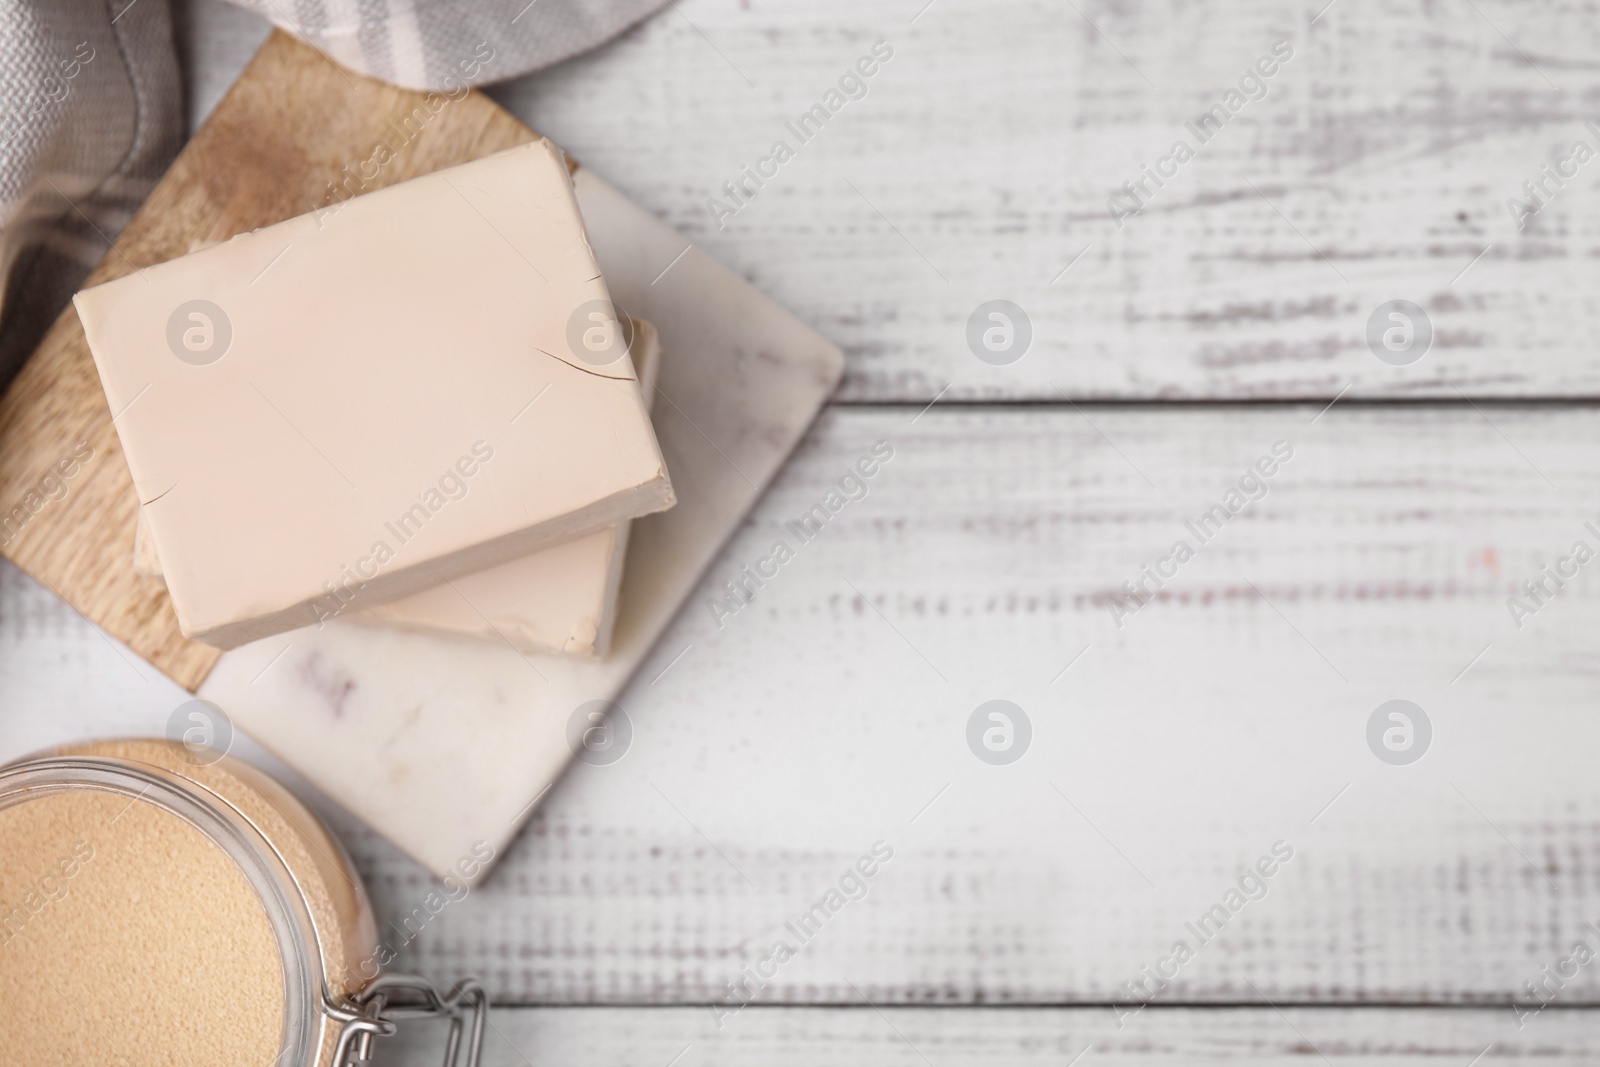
[390,998]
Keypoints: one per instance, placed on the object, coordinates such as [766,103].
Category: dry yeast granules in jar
[156,909]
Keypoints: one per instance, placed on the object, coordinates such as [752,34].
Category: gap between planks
[777,1036]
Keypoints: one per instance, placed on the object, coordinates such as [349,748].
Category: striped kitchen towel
[93,108]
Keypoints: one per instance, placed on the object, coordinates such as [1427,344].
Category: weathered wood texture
[288,138]
[832,712]
[980,162]
[1229,714]
[587,1037]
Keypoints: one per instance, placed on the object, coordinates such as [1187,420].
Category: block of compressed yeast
[357,404]
[470,738]
[558,599]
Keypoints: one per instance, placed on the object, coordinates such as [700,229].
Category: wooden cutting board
[292,126]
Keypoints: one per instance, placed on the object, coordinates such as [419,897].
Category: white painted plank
[831,713]
[983,155]
[916,1037]
[821,719]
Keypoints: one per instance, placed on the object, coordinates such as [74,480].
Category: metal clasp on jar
[390,998]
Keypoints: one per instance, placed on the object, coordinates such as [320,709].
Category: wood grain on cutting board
[294,132]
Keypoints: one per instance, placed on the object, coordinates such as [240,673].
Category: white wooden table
[1168,753]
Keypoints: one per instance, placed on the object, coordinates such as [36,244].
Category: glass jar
[158,902]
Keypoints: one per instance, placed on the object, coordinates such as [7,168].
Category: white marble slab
[441,743]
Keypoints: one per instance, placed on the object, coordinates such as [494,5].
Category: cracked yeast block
[560,599]
[357,404]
